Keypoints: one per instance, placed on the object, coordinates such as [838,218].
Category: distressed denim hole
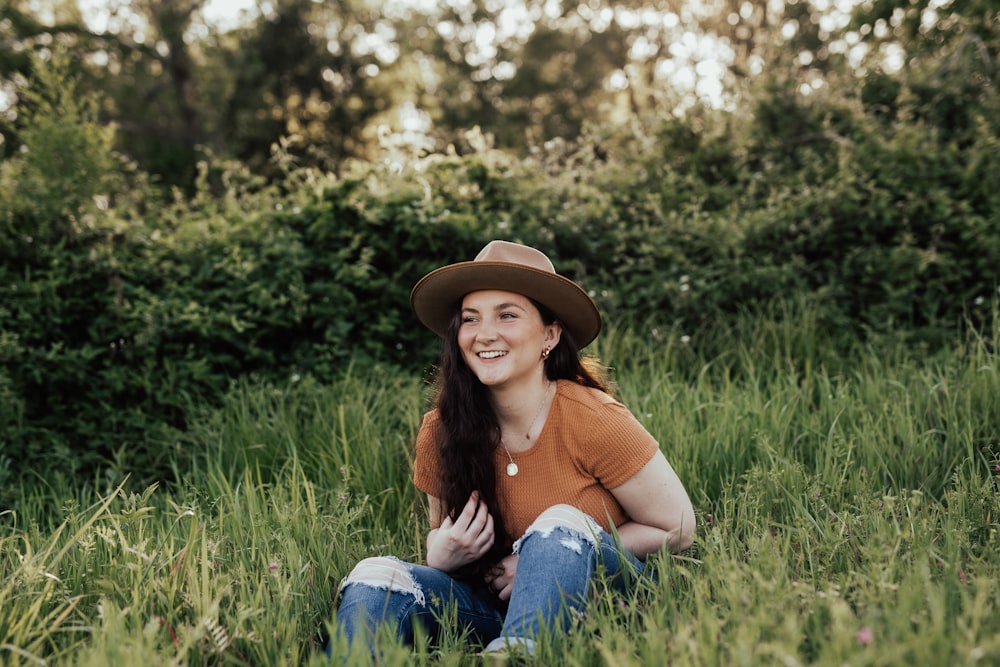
[387,574]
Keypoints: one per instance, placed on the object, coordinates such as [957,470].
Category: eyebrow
[500,306]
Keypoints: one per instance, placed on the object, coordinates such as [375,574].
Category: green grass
[847,496]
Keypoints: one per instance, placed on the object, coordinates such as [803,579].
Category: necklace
[512,467]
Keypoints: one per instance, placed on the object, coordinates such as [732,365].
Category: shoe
[503,649]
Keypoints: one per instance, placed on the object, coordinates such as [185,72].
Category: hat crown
[515,253]
[512,267]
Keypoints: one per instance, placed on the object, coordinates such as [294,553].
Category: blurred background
[340,80]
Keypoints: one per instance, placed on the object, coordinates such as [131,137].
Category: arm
[452,544]
[659,508]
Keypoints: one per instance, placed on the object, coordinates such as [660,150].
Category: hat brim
[435,296]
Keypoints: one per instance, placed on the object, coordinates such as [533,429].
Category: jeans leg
[557,559]
[387,592]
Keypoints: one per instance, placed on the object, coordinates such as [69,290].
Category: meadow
[846,491]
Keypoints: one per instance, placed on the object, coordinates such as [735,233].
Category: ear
[553,334]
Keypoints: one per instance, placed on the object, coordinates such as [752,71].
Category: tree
[171,83]
[138,62]
[305,70]
[932,59]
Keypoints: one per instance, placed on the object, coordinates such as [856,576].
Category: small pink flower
[864,636]
[272,566]
[997,467]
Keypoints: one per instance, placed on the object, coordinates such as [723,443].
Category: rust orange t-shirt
[590,443]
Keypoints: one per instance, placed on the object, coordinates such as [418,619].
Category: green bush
[120,311]
[61,196]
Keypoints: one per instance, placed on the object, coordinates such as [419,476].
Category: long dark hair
[471,433]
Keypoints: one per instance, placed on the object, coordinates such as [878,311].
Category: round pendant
[511,469]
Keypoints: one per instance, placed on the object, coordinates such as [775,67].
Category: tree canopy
[336,81]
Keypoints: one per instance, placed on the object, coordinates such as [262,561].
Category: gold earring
[545,353]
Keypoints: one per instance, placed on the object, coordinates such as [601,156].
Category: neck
[509,402]
[521,413]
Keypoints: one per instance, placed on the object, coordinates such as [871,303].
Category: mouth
[492,354]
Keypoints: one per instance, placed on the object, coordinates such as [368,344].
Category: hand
[501,577]
[464,540]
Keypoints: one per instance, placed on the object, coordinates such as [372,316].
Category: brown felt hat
[511,267]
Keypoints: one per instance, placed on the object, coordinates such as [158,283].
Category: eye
[508,316]
[468,319]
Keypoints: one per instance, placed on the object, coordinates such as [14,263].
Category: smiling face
[502,336]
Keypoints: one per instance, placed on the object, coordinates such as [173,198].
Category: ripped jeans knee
[379,591]
[578,529]
[385,573]
[386,592]
[558,557]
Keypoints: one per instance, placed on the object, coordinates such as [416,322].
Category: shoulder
[430,426]
[431,419]
[586,398]
[427,456]
[603,437]
[597,413]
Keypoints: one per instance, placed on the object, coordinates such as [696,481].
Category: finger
[483,512]
[469,512]
[479,524]
[487,521]
[483,541]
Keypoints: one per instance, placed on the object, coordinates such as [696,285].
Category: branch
[26,27]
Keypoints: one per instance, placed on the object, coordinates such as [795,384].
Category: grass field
[847,499]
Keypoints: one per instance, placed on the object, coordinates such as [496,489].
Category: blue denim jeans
[556,563]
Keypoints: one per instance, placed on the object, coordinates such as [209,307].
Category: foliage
[63,197]
[121,311]
[847,504]
[333,79]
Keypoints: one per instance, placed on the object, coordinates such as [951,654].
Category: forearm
[642,539]
[661,512]
[432,556]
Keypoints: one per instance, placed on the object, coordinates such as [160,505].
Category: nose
[486,332]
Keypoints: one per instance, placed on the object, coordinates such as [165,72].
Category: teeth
[491,355]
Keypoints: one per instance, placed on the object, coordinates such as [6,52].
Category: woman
[528,463]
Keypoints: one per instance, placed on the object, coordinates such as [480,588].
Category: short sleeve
[616,445]
[427,459]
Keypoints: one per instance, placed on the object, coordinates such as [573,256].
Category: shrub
[120,312]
